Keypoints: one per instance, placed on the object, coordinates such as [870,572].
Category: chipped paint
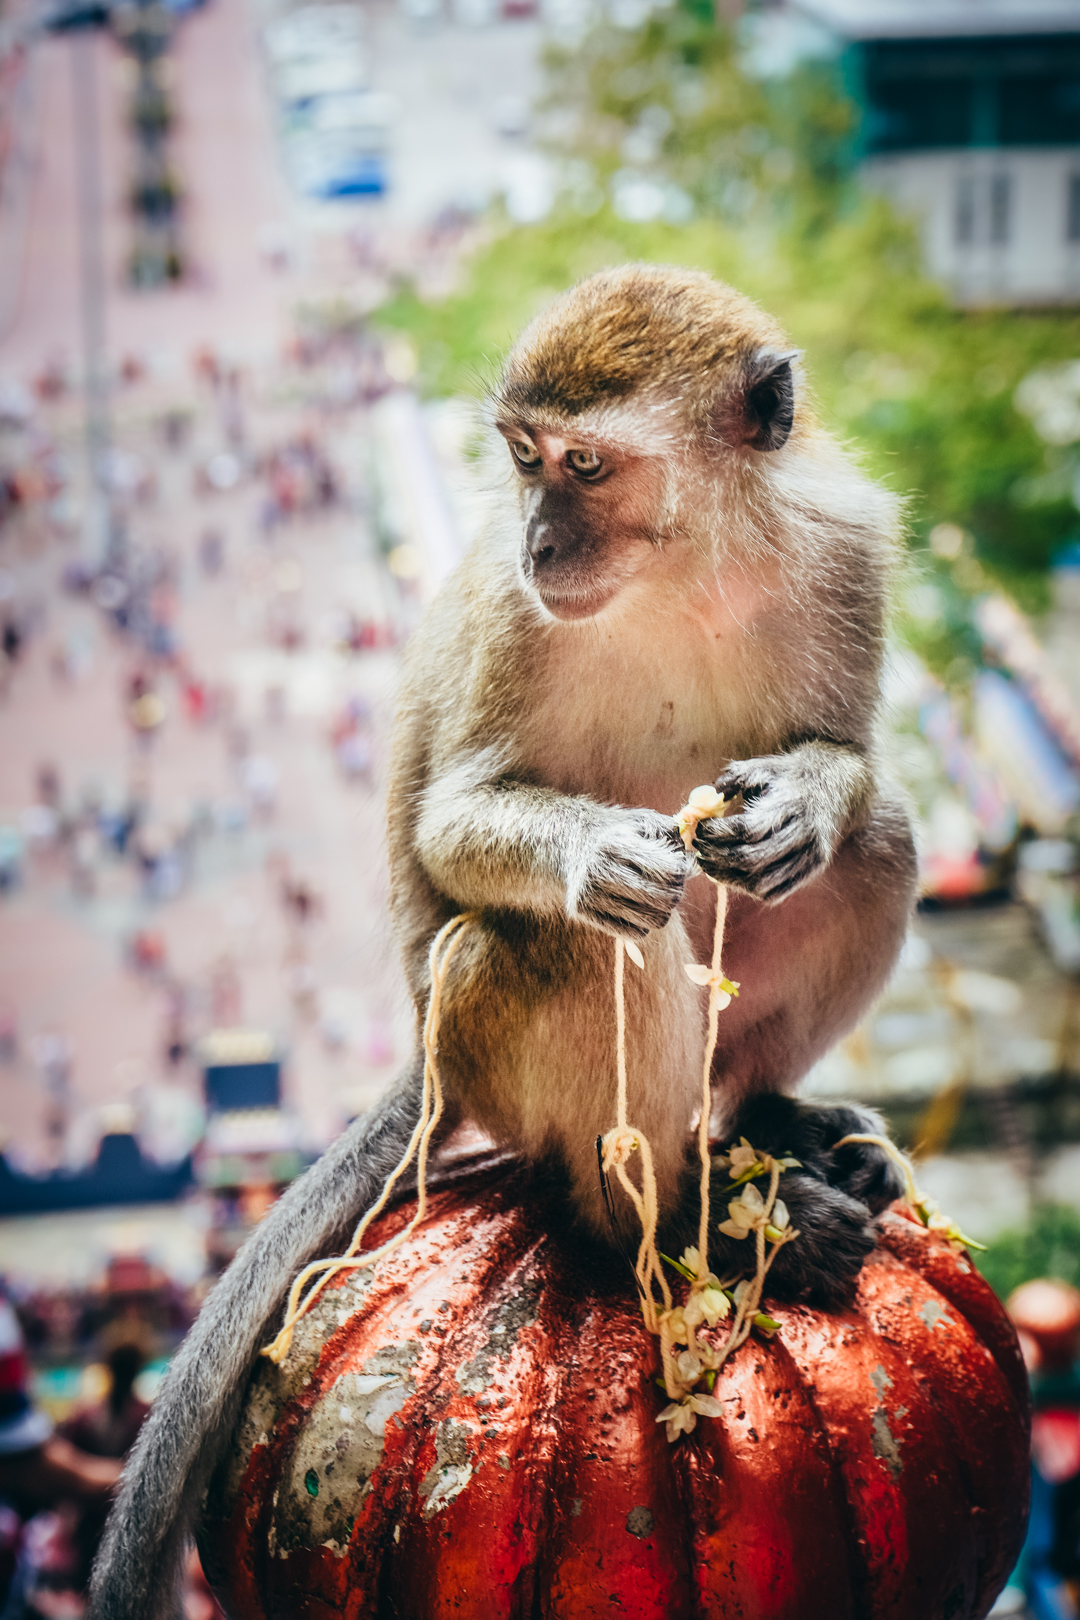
[267,1394]
[934,1313]
[880,1380]
[339,1449]
[843,1533]
[272,1387]
[452,1469]
[639,1522]
[885,1444]
[502,1328]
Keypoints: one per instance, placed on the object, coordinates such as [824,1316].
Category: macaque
[682,580]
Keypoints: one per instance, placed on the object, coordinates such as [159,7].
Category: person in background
[110,1427]
[1047,1319]
[46,1484]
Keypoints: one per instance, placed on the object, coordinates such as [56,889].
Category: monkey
[681,577]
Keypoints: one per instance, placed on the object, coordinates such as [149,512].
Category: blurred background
[257,263]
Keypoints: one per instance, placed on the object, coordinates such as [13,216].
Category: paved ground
[65,950]
[340,1011]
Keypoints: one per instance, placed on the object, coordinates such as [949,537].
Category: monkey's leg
[665,1049]
[137,1572]
[528,1043]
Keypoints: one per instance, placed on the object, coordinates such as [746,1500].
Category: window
[1000,207]
[1072,209]
[965,210]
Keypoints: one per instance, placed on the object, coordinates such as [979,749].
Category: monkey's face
[590,517]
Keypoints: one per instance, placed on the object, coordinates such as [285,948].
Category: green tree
[1047,1246]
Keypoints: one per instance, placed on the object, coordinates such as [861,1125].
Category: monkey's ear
[768,400]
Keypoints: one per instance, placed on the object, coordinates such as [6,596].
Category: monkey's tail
[138,1569]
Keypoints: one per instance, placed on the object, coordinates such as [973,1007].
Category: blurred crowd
[57,1480]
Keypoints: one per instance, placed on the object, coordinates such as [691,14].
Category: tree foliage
[1047,1246]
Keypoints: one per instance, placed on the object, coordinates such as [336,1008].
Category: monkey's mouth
[569,593]
[570,603]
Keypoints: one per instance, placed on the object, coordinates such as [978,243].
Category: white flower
[678,1326]
[721,988]
[689,1367]
[742,1158]
[705,801]
[681,1416]
[702,803]
[715,1304]
[706,1304]
[747,1213]
[690,1258]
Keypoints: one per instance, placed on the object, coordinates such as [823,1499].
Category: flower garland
[686,1359]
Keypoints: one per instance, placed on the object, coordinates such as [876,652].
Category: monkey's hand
[796,808]
[628,874]
[832,1199]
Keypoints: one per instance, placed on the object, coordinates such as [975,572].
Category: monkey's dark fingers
[809,1131]
[619,908]
[860,1169]
[770,869]
[781,878]
[822,1264]
[747,778]
[662,878]
[608,923]
[746,828]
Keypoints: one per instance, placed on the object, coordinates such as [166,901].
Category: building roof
[943,19]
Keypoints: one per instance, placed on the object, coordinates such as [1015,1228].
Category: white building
[971,122]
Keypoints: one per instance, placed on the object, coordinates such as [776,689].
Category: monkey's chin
[569,608]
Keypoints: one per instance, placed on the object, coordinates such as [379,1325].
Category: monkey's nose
[538,542]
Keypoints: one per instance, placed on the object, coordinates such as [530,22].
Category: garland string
[443,946]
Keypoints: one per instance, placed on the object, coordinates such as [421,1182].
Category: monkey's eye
[525,454]
[585,462]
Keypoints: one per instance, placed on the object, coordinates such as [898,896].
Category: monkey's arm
[137,1573]
[798,807]
[485,839]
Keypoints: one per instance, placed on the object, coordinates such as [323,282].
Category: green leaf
[677,1265]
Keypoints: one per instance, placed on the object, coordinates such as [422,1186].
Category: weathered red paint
[871,1465]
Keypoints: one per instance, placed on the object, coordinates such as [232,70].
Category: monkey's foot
[832,1199]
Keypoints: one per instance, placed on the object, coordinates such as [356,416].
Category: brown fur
[679,336]
[750,625]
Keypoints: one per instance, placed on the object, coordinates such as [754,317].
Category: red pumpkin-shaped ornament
[471,1432]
